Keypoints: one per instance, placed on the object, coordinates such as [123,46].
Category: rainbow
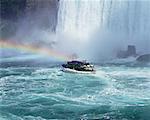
[34,49]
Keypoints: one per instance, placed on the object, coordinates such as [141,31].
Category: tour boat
[78,67]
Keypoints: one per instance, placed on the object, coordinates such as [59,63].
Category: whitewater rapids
[45,92]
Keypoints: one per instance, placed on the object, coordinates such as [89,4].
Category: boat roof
[78,62]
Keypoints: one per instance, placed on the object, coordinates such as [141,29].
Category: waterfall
[78,17]
[83,17]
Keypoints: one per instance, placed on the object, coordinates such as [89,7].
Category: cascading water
[82,18]
[78,17]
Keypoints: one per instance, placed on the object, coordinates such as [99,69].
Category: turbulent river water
[42,92]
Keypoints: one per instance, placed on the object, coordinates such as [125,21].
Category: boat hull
[76,71]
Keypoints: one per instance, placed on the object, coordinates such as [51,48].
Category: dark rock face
[12,9]
[131,51]
[36,13]
[144,58]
